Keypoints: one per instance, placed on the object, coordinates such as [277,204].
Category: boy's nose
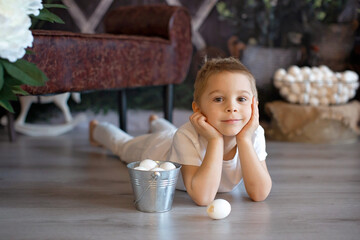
[231,109]
[231,106]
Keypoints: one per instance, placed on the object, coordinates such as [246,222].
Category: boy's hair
[217,65]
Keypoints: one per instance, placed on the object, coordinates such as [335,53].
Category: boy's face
[226,102]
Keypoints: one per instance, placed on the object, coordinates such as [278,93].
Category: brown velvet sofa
[143,46]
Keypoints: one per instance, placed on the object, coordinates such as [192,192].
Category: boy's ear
[195,107]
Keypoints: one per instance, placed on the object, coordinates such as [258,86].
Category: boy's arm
[255,174]
[256,177]
[202,182]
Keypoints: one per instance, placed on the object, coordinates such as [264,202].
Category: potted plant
[331,28]
[268,23]
[15,37]
[289,23]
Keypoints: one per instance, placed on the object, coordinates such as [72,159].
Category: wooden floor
[62,188]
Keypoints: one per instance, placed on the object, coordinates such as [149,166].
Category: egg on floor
[218,209]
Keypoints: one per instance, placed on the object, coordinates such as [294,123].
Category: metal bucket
[153,190]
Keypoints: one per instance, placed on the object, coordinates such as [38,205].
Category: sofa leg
[122,108]
[168,102]
[11,127]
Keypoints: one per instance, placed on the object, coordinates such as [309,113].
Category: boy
[222,144]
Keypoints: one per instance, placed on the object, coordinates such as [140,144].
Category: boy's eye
[242,99]
[218,99]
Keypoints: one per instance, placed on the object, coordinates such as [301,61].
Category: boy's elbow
[202,200]
[203,204]
[260,196]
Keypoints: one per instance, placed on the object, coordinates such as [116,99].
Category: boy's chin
[230,133]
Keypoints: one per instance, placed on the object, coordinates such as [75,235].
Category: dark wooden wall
[214,32]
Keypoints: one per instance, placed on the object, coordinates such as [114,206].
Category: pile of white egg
[151,165]
[316,85]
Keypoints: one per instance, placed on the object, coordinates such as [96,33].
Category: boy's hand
[198,120]
[253,123]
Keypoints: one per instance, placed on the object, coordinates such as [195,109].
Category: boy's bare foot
[92,125]
[152,118]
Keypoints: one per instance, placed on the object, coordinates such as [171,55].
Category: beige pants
[154,145]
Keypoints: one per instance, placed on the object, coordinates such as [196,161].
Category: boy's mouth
[231,121]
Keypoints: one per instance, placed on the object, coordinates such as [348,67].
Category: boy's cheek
[247,120]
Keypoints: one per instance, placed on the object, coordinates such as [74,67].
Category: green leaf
[6,104]
[55,6]
[2,80]
[9,80]
[46,15]
[28,73]
[7,93]
[19,91]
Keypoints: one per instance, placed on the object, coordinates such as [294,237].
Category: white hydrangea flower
[27,6]
[15,35]
[31,6]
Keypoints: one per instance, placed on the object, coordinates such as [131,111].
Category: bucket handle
[154,177]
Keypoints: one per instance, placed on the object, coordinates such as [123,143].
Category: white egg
[314,91]
[284,91]
[324,101]
[305,71]
[292,98]
[299,78]
[294,70]
[307,87]
[218,209]
[289,78]
[331,81]
[343,99]
[279,74]
[315,69]
[141,168]
[304,98]
[167,166]
[323,92]
[328,74]
[157,169]
[148,164]
[344,91]
[338,76]
[314,101]
[340,87]
[319,77]
[319,84]
[311,77]
[295,88]
[335,99]
[324,68]
[350,76]
[278,83]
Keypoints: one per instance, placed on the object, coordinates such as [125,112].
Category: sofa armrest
[172,23]
[146,20]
